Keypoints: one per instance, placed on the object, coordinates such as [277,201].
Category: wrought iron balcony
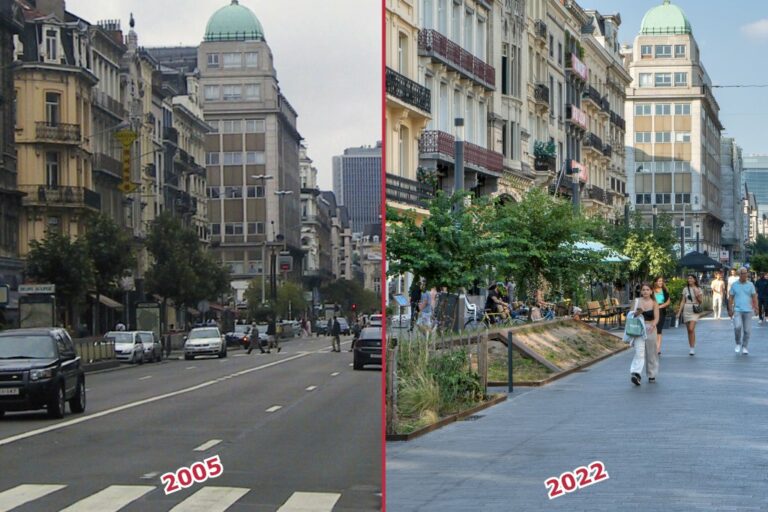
[106,163]
[102,100]
[605,106]
[435,45]
[576,116]
[607,150]
[410,192]
[577,68]
[541,94]
[540,29]
[591,94]
[598,194]
[58,132]
[77,197]
[618,120]
[408,91]
[592,141]
[438,142]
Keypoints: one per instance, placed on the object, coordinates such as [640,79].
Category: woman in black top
[661,294]
[645,346]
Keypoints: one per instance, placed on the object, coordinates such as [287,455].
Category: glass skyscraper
[357,184]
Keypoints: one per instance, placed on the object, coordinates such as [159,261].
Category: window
[216,229]
[560,53]
[551,46]
[255,228]
[251,59]
[643,137]
[253,91]
[233,228]
[682,109]
[663,79]
[682,166]
[663,198]
[255,157]
[645,51]
[646,80]
[213,192]
[233,192]
[683,137]
[663,109]
[213,60]
[684,198]
[232,126]
[52,100]
[52,169]
[255,191]
[51,44]
[232,92]
[643,198]
[232,60]
[212,158]
[255,126]
[663,137]
[643,109]
[663,51]
[679,51]
[211,92]
[681,79]
[233,158]
[214,126]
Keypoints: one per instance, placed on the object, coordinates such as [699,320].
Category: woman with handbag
[640,330]
[690,308]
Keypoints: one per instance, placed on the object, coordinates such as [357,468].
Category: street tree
[759,246]
[346,292]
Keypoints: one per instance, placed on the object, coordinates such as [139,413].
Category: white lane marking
[145,378]
[241,355]
[138,403]
[211,499]
[25,493]
[335,374]
[310,501]
[190,367]
[112,498]
[206,445]
[275,408]
[351,364]
[149,476]
[311,388]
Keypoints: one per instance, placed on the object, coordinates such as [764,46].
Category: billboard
[148,317]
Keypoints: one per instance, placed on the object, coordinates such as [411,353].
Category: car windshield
[242,328]
[26,347]
[203,333]
[120,337]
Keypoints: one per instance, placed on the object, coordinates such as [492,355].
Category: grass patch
[525,369]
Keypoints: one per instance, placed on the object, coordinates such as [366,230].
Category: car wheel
[357,365]
[223,353]
[141,358]
[77,403]
[57,404]
[2,412]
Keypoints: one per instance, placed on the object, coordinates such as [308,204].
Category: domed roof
[233,23]
[665,19]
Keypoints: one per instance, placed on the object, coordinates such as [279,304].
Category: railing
[593,141]
[74,196]
[434,44]
[591,94]
[605,106]
[541,94]
[576,116]
[618,120]
[578,68]
[435,141]
[408,91]
[58,132]
[540,29]
[107,163]
[607,150]
[598,194]
[94,349]
[103,100]
[403,190]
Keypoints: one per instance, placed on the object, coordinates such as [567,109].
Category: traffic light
[354,307]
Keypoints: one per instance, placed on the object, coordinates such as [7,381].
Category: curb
[497,399]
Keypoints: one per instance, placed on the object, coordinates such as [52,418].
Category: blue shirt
[742,294]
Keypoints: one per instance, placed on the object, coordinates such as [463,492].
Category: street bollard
[509,361]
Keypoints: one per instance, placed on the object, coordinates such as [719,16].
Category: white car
[153,352]
[204,341]
[374,321]
[128,346]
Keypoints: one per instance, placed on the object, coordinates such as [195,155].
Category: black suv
[39,368]
[367,348]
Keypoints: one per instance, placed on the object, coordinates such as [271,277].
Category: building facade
[673,128]
[357,185]
[732,194]
[316,226]
[755,177]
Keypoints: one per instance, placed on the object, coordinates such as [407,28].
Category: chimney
[55,7]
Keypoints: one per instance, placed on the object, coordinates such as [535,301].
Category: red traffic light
[354,307]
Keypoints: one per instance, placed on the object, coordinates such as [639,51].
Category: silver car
[128,346]
[204,341]
[153,352]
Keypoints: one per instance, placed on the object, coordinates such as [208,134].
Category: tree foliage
[759,246]
[111,251]
[346,292]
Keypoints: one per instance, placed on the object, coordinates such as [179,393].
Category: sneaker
[651,379]
[279,349]
[636,379]
[738,348]
[692,352]
[745,351]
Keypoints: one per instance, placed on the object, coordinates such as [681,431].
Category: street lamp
[273,264]
[458,167]
[263,178]
[655,212]
[682,238]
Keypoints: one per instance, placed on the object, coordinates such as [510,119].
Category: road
[301,421]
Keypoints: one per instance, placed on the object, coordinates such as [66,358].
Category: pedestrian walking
[647,308]
[689,308]
[415,295]
[356,330]
[335,332]
[761,285]
[731,279]
[661,294]
[329,326]
[272,341]
[425,321]
[254,340]
[742,304]
[718,288]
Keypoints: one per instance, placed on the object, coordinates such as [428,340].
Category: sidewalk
[695,440]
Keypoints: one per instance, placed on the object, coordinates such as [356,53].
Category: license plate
[9,391]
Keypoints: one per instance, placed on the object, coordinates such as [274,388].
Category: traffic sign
[37,288]
[126,187]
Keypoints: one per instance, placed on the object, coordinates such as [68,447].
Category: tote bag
[635,325]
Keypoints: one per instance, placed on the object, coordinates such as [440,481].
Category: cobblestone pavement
[695,440]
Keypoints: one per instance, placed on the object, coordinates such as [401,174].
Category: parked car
[321,327]
[153,351]
[344,325]
[239,336]
[367,348]
[204,341]
[374,321]
[286,329]
[128,346]
[39,368]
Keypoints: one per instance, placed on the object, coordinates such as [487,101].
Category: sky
[733,39]
[327,56]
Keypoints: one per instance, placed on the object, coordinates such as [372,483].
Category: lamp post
[682,238]
[697,238]
[263,178]
[458,167]
[655,212]
[281,195]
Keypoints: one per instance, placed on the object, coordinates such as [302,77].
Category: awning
[108,302]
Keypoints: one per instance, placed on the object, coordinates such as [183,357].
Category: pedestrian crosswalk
[117,497]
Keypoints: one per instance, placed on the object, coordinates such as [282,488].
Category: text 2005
[198,472]
[577,479]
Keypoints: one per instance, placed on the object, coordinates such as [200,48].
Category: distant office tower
[357,184]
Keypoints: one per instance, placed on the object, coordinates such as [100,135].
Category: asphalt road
[298,430]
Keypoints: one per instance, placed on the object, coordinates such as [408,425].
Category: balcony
[593,142]
[410,192]
[102,100]
[107,164]
[441,143]
[171,134]
[76,197]
[435,45]
[590,94]
[598,194]
[541,95]
[576,117]
[58,132]
[185,203]
[408,91]
[605,106]
[540,29]
[618,121]
[577,68]
[607,151]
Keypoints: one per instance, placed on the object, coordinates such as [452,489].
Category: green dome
[233,23]
[665,19]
